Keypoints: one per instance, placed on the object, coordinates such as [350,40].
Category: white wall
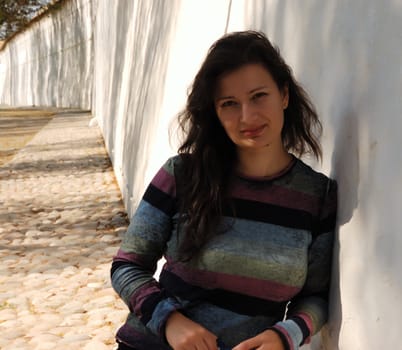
[348,56]
[146,53]
[50,63]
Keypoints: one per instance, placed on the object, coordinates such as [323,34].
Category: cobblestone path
[61,221]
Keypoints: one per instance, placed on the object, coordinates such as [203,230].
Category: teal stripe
[273,236]
[278,268]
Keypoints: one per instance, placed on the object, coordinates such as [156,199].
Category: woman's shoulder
[309,179]
[174,161]
[307,170]
[174,164]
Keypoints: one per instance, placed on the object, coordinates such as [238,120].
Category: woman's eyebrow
[232,97]
[257,88]
[224,98]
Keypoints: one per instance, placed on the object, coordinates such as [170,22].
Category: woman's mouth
[253,132]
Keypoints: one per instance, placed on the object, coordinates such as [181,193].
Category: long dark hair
[207,152]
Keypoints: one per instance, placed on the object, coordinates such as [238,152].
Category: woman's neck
[254,163]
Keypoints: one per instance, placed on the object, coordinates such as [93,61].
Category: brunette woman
[246,227]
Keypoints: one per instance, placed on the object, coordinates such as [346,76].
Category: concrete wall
[146,53]
[347,55]
[50,63]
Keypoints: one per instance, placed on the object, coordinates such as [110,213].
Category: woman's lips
[253,132]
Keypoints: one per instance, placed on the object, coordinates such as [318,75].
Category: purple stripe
[278,196]
[134,258]
[138,298]
[165,182]
[307,320]
[286,335]
[309,324]
[268,290]
[129,257]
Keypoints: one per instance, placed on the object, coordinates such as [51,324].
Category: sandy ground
[61,221]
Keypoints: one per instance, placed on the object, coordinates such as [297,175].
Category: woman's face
[250,107]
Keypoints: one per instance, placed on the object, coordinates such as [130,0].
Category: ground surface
[61,221]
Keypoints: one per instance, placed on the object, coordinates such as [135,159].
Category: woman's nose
[248,113]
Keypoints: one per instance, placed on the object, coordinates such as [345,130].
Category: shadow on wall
[343,54]
[132,75]
[345,169]
[56,69]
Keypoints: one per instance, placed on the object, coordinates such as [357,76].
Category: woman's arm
[308,312]
[143,245]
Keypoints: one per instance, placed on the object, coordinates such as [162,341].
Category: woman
[246,227]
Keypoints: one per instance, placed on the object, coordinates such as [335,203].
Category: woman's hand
[184,334]
[267,340]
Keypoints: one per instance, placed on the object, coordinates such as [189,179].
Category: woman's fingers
[185,334]
[267,340]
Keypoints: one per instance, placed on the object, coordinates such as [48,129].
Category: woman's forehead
[245,79]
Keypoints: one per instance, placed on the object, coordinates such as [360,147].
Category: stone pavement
[61,221]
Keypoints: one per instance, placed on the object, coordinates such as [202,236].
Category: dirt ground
[16,133]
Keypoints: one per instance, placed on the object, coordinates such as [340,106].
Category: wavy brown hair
[208,154]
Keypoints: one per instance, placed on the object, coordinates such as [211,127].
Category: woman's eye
[228,103]
[259,95]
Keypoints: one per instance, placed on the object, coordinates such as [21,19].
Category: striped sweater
[269,268]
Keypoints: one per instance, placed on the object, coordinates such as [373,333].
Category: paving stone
[71,338]
[7,315]
[46,338]
[96,345]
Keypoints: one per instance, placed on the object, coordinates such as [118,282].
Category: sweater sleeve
[143,245]
[308,311]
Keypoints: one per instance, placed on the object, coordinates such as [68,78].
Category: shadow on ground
[18,127]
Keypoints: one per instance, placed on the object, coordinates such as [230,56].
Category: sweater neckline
[272,177]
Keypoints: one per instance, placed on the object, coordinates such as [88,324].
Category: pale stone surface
[96,345]
[63,222]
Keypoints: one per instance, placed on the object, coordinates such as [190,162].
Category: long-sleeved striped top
[270,268]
